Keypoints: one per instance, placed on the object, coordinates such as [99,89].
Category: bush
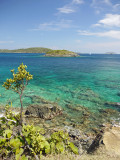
[32,142]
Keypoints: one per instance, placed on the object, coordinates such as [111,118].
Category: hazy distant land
[47,51]
[26,50]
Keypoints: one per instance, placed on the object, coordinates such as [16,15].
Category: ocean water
[89,80]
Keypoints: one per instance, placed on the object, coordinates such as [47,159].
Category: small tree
[18,83]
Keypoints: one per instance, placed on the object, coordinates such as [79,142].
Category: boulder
[80,139]
[44,111]
[95,143]
[111,140]
[73,132]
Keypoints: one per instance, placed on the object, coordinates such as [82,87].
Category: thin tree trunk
[21,110]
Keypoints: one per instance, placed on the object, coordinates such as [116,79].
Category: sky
[85,26]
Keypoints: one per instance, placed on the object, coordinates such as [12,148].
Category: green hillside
[26,50]
[49,52]
[61,53]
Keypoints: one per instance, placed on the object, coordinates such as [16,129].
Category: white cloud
[3,42]
[111,34]
[70,7]
[116,7]
[110,20]
[108,2]
[78,1]
[54,26]
[66,9]
[97,3]
[102,5]
[85,33]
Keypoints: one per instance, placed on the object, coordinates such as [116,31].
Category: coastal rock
[78,108]
[44,111]
[107,111]
[74,133]
[79,146]
[113,104]
[80,139]
[111,140]
[96,142]
[38,99]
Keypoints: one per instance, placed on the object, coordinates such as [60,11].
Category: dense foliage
[32,143]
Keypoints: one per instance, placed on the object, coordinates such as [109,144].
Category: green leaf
[24,158]
[60,147]
[28,140]
[18,153]
[7,133]
[2,140]
[47,147]
[73,148]
[52,147]
[26,133]
[15,143]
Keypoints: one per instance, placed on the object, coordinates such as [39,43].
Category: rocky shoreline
[85,136]
[88,135]
[87,143]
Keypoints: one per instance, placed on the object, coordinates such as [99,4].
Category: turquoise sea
[90,81]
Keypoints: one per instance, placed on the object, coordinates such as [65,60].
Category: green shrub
[32,142]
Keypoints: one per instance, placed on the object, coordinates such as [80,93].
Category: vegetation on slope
[61,53]
[26,50]
[49,52]
[31,142]
[19,141]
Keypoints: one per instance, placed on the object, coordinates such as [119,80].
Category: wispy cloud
[96,3]
[3,42]
[54,26]
[77,1]
[101,5]
[111,34]
[116,7]
[110,20]
[70,7]
[108,2]
[66,9]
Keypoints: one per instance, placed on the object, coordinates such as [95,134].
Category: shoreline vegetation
[46,132]
[104,144]
[61,53]
[48,52]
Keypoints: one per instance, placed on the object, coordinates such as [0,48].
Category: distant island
[48,52]
[26,50]
[61,53]
[110,53]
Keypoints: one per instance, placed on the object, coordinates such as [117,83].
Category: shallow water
[89,80]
